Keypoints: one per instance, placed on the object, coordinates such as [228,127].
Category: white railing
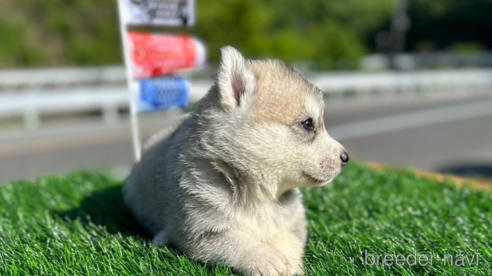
[55,77]
[54,91]
[394,82]
[32,103]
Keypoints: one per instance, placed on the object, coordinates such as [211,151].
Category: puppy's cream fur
[221,184]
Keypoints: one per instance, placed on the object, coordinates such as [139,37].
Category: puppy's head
[273,118]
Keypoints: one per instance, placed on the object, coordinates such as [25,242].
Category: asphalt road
[446,133]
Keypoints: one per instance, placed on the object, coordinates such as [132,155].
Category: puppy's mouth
[314,179]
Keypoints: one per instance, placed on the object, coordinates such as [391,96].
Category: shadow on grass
[106,208]
[468,170]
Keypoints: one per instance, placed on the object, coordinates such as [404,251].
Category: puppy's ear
[235,80]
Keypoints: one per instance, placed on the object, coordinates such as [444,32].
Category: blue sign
[163,93]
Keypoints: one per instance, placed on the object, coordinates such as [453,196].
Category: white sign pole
[132,87]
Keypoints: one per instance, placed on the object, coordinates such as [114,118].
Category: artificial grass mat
[78,225]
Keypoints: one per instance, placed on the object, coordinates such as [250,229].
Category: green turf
[78,225]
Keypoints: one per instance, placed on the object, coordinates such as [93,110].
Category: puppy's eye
[308,124]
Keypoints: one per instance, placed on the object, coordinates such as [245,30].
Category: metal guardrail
[36,92]
[416,81]
[56,77]
[430,60]
[32,103]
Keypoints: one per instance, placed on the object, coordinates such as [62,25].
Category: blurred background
[406,82]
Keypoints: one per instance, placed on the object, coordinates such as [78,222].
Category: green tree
[318,30]
[450,24]
[80,32]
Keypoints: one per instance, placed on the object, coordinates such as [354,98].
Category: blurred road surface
[443,134]
[439,133]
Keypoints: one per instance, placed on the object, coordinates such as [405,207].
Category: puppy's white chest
[265,225]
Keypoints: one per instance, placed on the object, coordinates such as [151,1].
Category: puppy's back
[146,195]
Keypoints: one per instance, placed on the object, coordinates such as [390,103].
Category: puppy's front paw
[268,261]
[295,269]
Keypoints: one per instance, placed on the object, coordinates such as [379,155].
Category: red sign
[158,54]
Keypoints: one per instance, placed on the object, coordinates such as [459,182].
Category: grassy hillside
[85,32]
[58,32]
[78,225]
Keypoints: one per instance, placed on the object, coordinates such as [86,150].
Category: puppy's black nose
[345,158]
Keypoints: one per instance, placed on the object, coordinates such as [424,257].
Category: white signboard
[158,12]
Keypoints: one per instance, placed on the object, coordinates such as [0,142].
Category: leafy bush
[83,32]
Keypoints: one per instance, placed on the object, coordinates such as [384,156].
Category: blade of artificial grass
[78,225]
